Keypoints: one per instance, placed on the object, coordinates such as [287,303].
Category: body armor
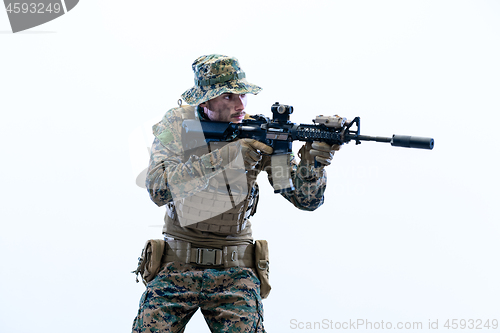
[225,205]
[209,211]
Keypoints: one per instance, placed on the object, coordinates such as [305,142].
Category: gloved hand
[251,150]
[322,151]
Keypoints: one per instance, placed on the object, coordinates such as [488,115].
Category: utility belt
[158,252]
[228,256]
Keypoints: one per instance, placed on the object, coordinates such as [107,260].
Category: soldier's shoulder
[179,113]
[168,129]
[173,118]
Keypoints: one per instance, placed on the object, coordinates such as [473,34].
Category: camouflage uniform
[229,300]
[228,297]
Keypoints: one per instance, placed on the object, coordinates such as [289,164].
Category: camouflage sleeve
[309,182]
[169,177]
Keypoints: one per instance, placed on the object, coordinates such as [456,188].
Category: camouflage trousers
[229,300]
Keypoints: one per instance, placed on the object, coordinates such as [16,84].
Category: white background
[404,235]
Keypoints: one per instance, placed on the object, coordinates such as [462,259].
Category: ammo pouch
[262,266]
[150,260]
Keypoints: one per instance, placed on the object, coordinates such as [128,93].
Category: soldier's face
[226,107]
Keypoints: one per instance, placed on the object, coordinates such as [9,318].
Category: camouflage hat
[215,75]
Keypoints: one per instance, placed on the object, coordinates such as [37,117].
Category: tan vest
[210,211]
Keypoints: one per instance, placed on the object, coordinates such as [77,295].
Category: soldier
[209,259]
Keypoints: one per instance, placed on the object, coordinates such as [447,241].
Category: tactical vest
[224,206]
[210,211]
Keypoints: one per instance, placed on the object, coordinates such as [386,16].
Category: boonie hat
[215,75]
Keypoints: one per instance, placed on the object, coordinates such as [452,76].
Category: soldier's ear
[201,109]
[204,106]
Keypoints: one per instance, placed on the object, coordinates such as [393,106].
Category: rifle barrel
[374,138]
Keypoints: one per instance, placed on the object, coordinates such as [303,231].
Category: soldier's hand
[252,151]
[321,151]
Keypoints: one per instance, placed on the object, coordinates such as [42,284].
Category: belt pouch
[262,266]
[150,260]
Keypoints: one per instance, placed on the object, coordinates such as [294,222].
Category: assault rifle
[279,133]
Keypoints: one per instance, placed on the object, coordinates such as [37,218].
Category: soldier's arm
[309,183]
[169,177]
[167,173]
